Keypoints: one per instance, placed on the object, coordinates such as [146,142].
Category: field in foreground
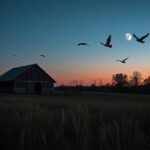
[85,122]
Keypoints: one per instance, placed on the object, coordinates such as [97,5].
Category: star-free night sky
[29,28]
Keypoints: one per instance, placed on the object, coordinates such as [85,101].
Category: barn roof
[13,73]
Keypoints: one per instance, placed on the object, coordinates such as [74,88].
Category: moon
[128,36]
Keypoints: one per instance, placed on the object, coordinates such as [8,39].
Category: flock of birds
[108,43]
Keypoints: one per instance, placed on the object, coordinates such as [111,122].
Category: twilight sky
[30,28]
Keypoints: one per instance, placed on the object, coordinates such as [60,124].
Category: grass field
[95,121]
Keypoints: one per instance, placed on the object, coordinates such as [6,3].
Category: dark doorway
[37,88]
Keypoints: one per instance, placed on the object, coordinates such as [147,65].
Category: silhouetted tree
[74,83]
[136,78]
[147,81]
[94,83]
[120,80]
[75,86]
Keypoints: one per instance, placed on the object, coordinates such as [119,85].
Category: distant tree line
[121,80]
[120,83]
[134,84]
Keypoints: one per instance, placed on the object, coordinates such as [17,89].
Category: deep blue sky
[54,28]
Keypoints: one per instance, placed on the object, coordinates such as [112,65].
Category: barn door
[37,88]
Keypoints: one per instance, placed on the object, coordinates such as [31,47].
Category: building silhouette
[30,79]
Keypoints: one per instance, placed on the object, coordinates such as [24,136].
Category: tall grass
[32,122]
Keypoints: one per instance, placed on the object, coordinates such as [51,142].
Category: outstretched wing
[79,44]
[125,59]
[143,37]
[135,37]
[108,40]
[42,56]
[15,55]
[82,44]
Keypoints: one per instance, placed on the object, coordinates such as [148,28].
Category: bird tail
[102,43]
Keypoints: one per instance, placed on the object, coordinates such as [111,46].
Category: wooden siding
[33,81]
[28,87]
[34,74]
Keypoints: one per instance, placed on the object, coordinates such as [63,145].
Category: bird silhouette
[108,41]
[82,44]
[15,55]
[123,61]
[43,56]
[141,39]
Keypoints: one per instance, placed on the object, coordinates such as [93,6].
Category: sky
[30,28]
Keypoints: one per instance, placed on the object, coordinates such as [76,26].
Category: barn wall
[26,83]
[28,87]
[6,86]
[35,74]
[19,87]
[24,87]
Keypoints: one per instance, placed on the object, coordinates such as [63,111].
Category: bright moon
[128,36]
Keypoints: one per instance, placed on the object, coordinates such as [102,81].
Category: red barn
[30,79]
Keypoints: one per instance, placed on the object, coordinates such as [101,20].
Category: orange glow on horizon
[87,78]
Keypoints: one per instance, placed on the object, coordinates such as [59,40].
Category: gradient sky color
[30,28]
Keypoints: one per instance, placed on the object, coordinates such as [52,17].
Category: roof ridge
[24,66]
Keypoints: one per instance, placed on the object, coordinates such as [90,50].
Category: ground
[90,121]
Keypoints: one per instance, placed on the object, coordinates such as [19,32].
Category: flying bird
[108,41]
[43,56]
[123,61]
[141,39]
[15,55]
[82,44]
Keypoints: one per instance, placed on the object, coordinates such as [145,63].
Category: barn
[30,79]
